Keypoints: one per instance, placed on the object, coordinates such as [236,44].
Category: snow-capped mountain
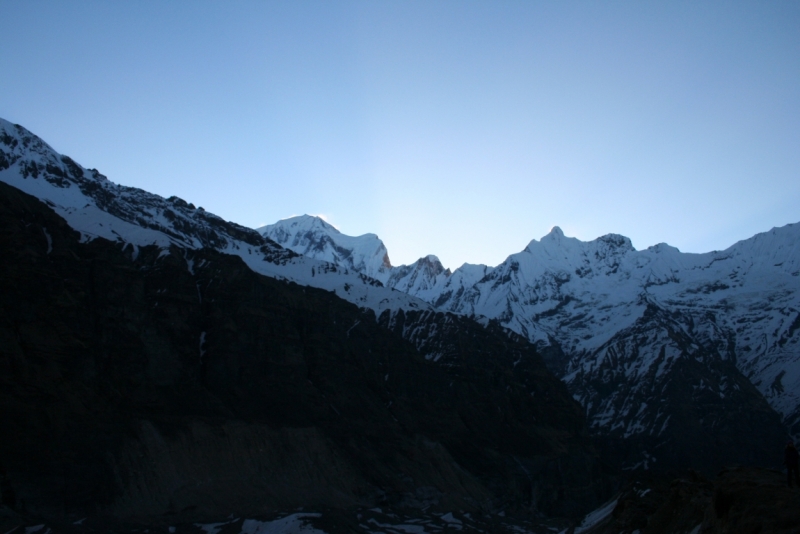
[618,323]
[655,344]
[138,387]
[313,237]
[592,299]
[97,207]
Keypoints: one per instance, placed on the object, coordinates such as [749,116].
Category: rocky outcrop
[178,385]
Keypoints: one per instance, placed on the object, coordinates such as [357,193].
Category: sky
[463,129]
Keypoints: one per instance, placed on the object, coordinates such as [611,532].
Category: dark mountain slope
[618,324]
[689,406]
[179,385]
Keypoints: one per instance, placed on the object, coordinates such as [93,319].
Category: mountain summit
[619,324]
[315,238]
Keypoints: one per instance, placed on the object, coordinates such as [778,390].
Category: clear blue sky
[463,129]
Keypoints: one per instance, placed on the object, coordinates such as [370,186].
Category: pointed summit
[421,276]
[556,235]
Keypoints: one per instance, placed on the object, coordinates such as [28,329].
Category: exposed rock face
[686,405]
[177,384]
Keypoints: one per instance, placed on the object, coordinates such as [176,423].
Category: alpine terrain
[667,352]
[160,365]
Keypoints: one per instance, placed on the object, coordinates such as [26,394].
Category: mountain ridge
[621,327]
[97,207]
[135,388]
[581,296]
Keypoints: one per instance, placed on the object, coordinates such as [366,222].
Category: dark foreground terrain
[178,391]
[324,521]
[738,501]
[174,387]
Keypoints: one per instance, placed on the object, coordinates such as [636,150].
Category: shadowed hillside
[163,385]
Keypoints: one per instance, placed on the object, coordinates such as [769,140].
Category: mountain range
[159,365]
[665,359]
[618,323]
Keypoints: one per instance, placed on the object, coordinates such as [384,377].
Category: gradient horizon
[460,129]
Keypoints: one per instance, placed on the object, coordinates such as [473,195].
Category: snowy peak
[779,247]
[313,237]
[365,254]
[556,252]
[420,278]
[19,140]
[663,248]
[304,223]
[555,234]
[556,240]
[98,208]
[555,245]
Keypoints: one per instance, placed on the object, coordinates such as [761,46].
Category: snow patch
[292,524]
[598,516]
[49,240]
